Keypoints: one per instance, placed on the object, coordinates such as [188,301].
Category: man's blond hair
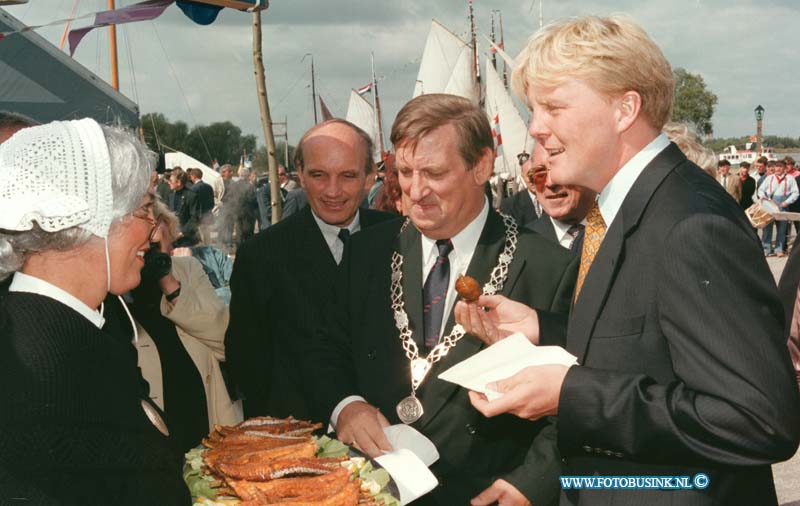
[613,55]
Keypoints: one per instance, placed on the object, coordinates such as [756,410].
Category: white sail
[505,56]
[462,79]
[362,114]
[446,65]
[504,116]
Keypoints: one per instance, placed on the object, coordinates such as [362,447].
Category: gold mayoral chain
[409,410]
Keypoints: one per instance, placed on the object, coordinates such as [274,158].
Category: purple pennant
[143,11]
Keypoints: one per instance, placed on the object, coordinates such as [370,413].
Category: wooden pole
[112,36]
[266,119]
[475,63]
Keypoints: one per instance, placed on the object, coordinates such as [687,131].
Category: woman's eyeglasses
[145,213]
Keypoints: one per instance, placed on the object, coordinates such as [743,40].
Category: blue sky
[744,49]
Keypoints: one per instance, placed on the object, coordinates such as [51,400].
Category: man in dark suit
[565,206]
[295,201]
[523,206]
[748,185]
[186,206]
[444,156]
[205,197]
[283,278]
[677,324]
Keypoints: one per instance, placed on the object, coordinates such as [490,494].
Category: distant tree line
[222,141]
[772,141]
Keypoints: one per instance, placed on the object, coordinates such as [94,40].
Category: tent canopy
[38,80]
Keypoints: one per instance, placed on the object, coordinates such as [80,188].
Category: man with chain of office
[392,330]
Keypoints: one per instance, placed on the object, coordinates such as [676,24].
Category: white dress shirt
[331,234]
[612,196]
[464,244]
[30,284]
[562,232]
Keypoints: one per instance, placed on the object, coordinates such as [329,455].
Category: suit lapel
[435,392]
[410,245]
[528,211]
[606,264]
[312,248]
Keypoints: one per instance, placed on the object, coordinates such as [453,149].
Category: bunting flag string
[142,11]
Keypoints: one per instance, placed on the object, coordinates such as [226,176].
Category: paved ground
[787,474]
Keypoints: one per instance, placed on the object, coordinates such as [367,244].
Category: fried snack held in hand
[468,288]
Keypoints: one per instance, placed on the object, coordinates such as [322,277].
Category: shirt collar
[561,228]
[331,232]
[29,284]
[465,241]
[613,195]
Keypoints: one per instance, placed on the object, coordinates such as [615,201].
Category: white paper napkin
[404,436]
[411,475]
[501,360]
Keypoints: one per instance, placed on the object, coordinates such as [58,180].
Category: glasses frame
[147,217]
[538,175]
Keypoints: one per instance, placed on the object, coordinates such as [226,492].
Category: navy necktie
[344,236]
[434,293]
[576,231]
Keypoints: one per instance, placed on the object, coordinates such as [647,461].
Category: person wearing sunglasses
[75,223]
[524,206]
[565,206]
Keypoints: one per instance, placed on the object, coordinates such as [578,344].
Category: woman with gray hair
[75,222]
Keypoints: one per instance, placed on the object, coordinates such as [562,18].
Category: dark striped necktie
[435,293]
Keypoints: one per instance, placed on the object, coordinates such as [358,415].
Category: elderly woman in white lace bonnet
[75,222]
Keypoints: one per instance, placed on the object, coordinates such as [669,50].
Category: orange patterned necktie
[593,236]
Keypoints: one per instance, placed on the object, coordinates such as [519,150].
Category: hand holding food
[494,317]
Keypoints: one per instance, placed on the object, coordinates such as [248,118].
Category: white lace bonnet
[57,175]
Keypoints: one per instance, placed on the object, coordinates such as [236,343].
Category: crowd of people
[625,246]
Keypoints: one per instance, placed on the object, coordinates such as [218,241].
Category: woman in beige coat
[186,301]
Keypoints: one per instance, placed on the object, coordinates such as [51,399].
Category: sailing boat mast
[475,70]
[541,19]
[377,104]
[502,46]
[112,37]
[313,87]
[494,41]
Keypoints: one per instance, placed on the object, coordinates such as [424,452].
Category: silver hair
[244,172]
[131,165]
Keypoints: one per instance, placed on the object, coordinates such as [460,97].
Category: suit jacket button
[470,429]
[371,354]
[587,449]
